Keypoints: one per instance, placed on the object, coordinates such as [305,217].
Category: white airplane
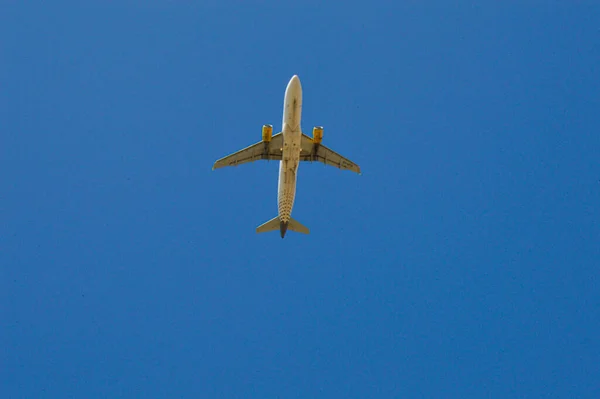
[290,146]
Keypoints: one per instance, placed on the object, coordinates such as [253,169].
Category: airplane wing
[262,150]
[318,152]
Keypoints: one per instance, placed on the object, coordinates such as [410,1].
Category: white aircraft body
[290,146]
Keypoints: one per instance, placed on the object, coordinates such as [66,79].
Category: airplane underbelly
[286,197]
[288,174]
[288,167]
[292,114]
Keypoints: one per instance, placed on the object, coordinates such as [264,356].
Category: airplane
[290,147]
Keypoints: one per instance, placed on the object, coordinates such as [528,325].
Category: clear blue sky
[463,263]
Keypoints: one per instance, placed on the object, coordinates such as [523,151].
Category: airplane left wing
[270,150]
[312,151]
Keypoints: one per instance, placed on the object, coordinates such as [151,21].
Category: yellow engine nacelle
[267,133]
[317,134]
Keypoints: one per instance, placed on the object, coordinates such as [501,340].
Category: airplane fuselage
[292,135]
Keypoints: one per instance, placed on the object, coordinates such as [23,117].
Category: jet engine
[317,134]
[267,133]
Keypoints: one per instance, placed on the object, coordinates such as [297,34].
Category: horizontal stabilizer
[271,225]
[277,224]
[296,226]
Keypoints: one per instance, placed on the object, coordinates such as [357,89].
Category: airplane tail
[275,224]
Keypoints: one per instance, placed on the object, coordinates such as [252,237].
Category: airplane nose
[294,81]
[293,87]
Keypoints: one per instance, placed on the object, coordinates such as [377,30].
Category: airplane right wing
[270,150]
[312,151]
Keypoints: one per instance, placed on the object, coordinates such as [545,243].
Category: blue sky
[463,263]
